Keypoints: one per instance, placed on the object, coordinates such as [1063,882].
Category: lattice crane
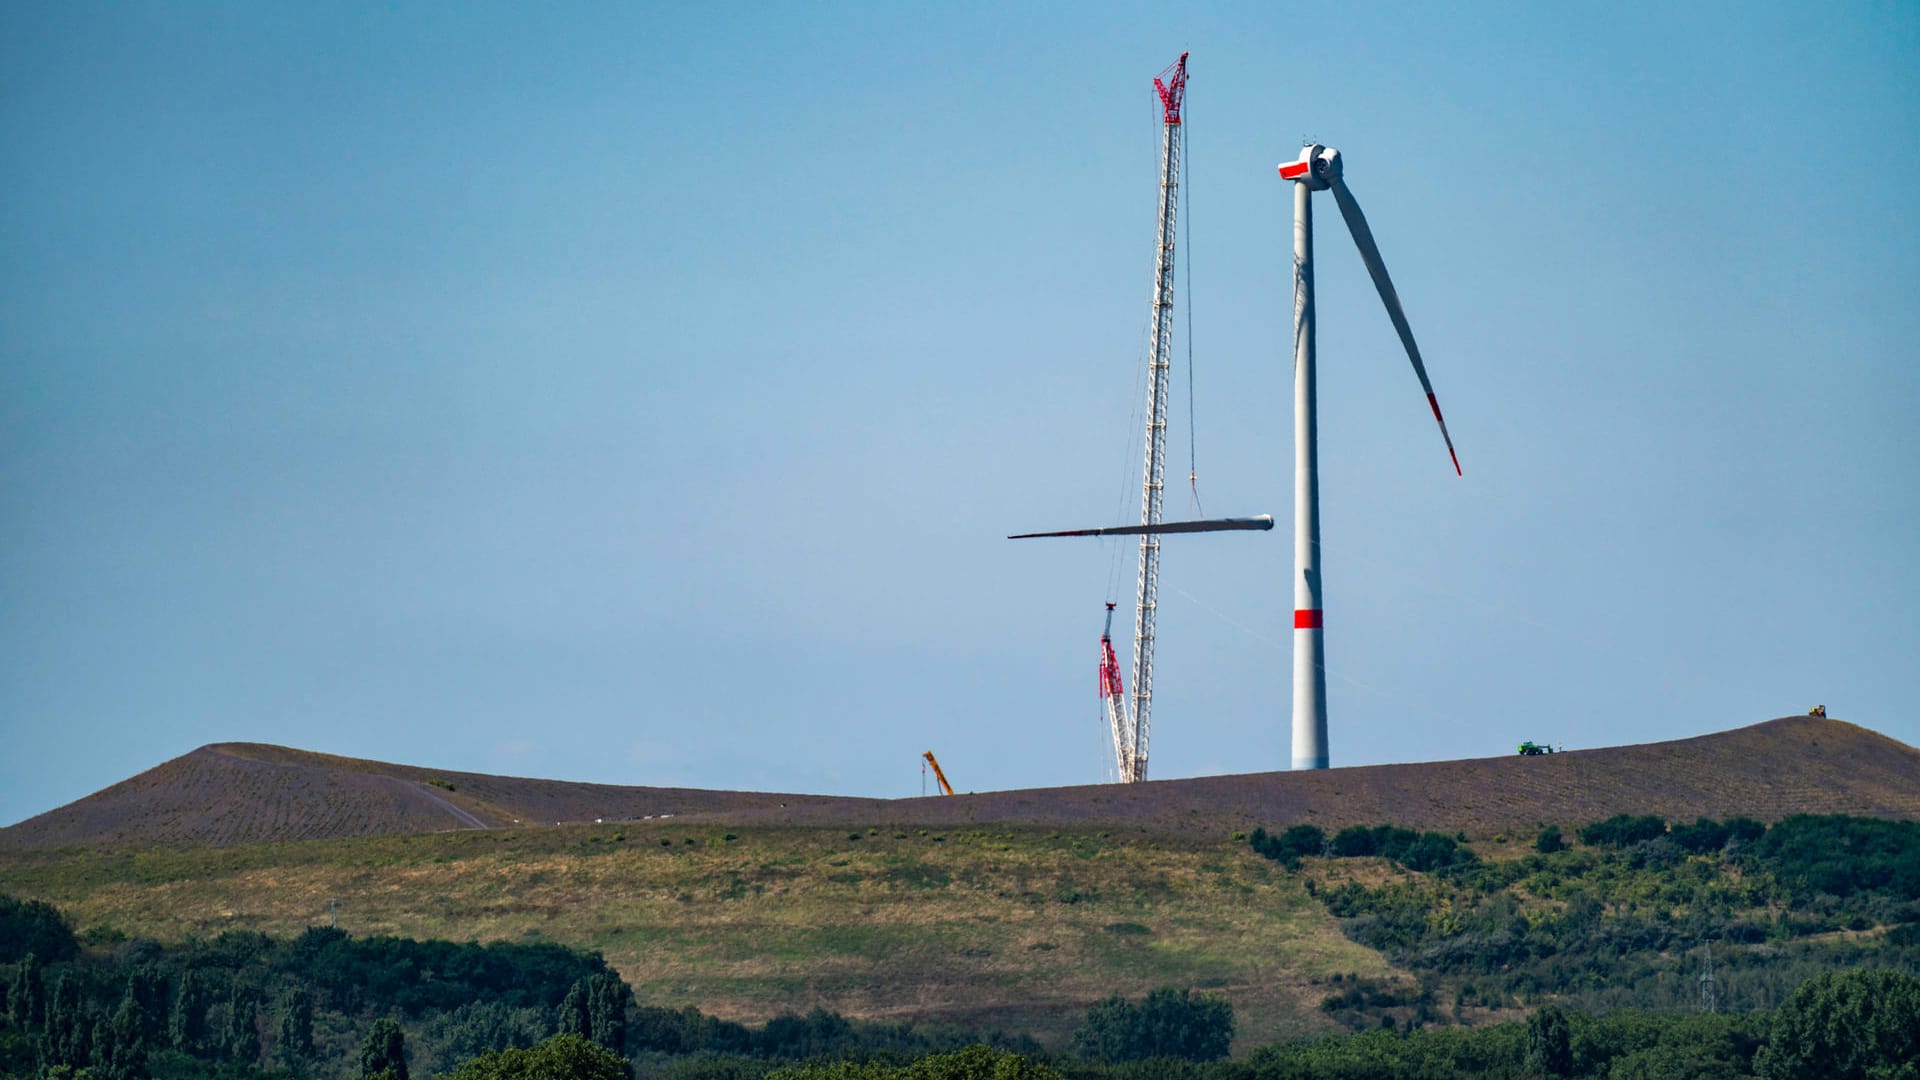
[1130,720]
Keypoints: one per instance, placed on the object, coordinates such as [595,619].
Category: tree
[64,1038]
[27,999]
[574,1017]
[1849,1025]
[1168,1024]
[296,1028]
[1549,841]
[1549,1042]
[187,1027]
[148,986]
[121,1044]
[37,927]
[384,1055]
[241,1040]
[562,1057]
[607,1012]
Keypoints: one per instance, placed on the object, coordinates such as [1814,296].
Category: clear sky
[641,393]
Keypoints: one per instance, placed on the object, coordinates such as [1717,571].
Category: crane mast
[1130,732]
[1128,720]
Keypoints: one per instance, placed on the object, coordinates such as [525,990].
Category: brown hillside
[236,793]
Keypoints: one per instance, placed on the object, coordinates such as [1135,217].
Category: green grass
[995,925]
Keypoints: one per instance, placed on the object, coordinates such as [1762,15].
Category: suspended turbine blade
[1370,254]
[1254,524]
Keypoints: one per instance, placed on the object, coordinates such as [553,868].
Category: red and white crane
[1129,721]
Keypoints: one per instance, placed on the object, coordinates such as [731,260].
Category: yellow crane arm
[937,774]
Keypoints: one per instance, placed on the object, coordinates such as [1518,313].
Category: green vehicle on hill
[1530,748]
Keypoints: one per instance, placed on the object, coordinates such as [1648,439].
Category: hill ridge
[240,792]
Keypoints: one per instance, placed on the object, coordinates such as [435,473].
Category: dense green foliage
[1413,850]
[1549,841]
[1549,1042]
[971,1063]
[1623,830]
[1855,1025]
[1169,1023]
[414,976]
[562,1057]
[1625,922]
[1288,848]
[1844,856]
[383,1056]
[32,928]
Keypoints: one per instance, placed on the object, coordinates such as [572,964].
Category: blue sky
[641,393]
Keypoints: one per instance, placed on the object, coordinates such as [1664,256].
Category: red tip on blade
[1295,170]
[1434,404]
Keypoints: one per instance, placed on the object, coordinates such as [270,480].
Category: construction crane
[1130,721]
[937,774]
[1130,738]
[1113,693]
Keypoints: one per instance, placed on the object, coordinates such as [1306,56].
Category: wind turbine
[1319,169]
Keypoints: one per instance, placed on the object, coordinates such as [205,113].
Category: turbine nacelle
[1318,167]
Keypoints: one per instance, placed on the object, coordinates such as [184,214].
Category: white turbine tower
[1319,169]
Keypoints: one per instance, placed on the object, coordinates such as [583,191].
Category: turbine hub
[1312,167]
[1326,166]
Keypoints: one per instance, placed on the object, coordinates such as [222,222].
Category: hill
[243,793]
[1013,909]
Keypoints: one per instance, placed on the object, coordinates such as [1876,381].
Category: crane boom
[1132,749]
[1113,692]
[937,774]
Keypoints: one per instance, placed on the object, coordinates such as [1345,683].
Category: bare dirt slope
[236,793]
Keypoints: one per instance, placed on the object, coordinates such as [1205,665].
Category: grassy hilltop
[1018,909]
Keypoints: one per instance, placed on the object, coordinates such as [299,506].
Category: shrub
[1353,842]
[1168,1024]
[1701,837]
[1549,841]
[1298,842]
[1414,850]
[37,927]
[1623,830]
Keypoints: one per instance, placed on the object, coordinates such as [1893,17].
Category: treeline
[324,1003]
[1862,1025]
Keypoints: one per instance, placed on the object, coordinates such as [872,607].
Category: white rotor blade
[1370,254]
[1256,524]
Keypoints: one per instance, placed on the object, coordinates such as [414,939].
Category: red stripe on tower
[1306,618]
[1295,170]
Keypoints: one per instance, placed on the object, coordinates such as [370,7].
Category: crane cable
[1186,237]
